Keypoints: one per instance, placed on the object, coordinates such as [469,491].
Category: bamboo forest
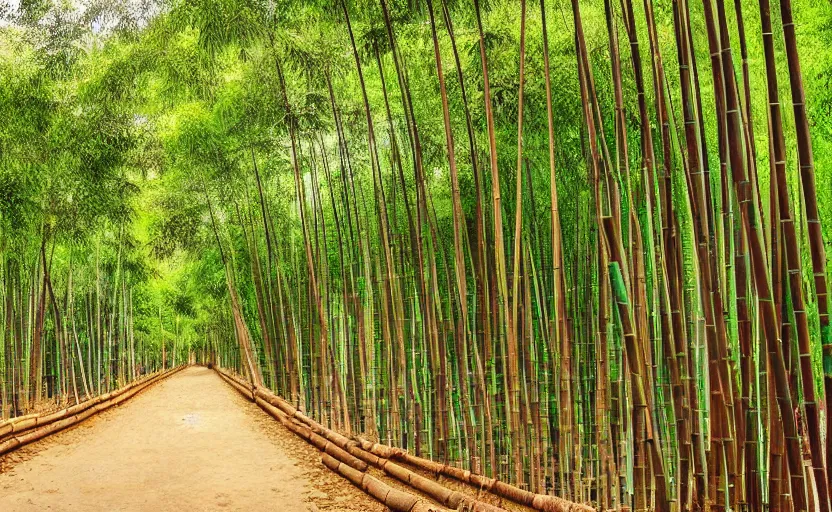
[561,255]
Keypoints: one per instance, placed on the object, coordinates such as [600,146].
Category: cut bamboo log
[299,429]
[14,434]
[396,500]
[346,464]
[541,502]
[381,456]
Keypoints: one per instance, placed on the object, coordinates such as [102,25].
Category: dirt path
[190,443]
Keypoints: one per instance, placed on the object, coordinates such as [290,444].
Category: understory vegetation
[579,246]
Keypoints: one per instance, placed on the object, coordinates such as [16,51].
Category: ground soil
[189,443]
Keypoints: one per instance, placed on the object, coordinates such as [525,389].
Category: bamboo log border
[542,502]
[335,457]
[350,452]
[380,456]
[393,498]
[23,430]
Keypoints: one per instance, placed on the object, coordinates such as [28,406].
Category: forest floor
[188,443]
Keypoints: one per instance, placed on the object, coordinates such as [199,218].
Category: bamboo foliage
[648,334]
[484,366]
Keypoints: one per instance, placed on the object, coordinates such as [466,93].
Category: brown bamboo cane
[749,210]
[396,500]
[816,244]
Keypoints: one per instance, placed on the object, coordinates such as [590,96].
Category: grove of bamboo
[577,246]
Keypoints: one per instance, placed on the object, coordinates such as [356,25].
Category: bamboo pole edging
[352,449]
[21,424]
[319,442]
[395,499]
[440,493]
[241,388]
[302,431]
[541,502]
[38,420]
[334,456]
[38,427]
[380,456]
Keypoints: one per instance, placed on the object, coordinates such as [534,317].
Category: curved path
[189,443]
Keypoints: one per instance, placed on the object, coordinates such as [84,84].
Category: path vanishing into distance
[190,443]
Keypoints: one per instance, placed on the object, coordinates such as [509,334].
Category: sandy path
[190,443]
